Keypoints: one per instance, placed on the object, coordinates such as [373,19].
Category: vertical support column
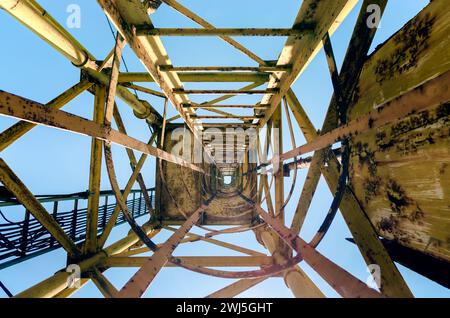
[94,176]
[278,166]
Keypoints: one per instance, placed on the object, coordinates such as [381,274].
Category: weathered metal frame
[305,40]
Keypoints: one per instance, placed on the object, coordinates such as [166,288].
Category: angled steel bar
[140,281]
[197,19]
[299,52]
[207,106]
[225,97]
[243,77]
[113,79]
[295,278]
[57,283]
[309,188]
[429,95]
[132,157]
[343,282]
[149,50]
[103,284]
[26,198]
[195,237]
[180,69]
[202,261]
[224,91]
[15,106]
[236,288]
[230,116]
[355,57]
[11,134]
[218,111]
[136,171]
[144,90]
[368,243]
[33,16]
[341,109]
[90,245]
[149,30]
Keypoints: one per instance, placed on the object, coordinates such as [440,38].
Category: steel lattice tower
[383,150]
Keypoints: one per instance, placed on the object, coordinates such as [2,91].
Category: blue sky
[52,161]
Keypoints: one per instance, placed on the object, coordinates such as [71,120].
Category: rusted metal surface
[430,95]
[140,281]
[16,131]
[390,109]
[90,245]
[21,108]
[343,282]
[406,201]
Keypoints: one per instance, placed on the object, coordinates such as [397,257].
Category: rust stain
[401,203]
[412,41]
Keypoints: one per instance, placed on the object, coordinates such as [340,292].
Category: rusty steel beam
[56,285]
[224,91]
[373,252]
[21,108]
[143,89]
[140,281]
[134,176]
[202,22]
[148,30]
[150,50]
[231,116]
[181,69]
[103,284]
[324,17]
[429,95]
[132,157]
[195,237]
[203,261]
[343,282]
[34,17]
[207,106]
[206,77]
[307,194]
[278,165]
[13,133]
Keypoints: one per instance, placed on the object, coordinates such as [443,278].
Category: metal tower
[383,150]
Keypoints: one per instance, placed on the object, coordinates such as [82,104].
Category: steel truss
[314,25]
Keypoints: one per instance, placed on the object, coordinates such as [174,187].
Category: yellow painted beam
[56,285]
[103,284]
[203,261]
[201,77]
[13,133]
[326,16]
[90,244]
